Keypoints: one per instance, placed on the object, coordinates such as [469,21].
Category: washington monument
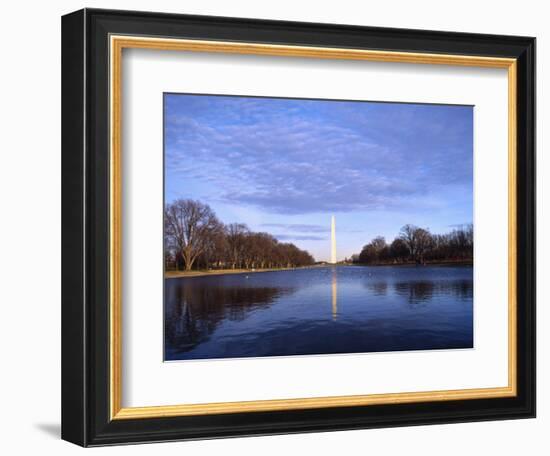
[333,241]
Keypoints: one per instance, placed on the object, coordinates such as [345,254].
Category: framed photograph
[279,227]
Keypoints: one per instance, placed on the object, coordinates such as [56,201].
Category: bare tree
[418,241]
[215,251]
[194,237]
[419,245]
[236,238]
[423,243]
[374,251]
[408,236]
[399,250]
[379,243]
[190,225]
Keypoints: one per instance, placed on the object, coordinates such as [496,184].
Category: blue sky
[284,166]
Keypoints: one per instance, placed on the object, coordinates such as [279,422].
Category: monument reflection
[334,287]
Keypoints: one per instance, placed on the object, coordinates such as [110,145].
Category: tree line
[418,245]
[195,238]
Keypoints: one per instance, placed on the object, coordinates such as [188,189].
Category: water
[344,309]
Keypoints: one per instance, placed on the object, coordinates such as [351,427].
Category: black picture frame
[85,225]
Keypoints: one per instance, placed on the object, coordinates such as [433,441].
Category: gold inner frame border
[116,46]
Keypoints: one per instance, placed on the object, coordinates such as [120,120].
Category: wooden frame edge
[165,411]
[512,227]
[115,238]
[116,45]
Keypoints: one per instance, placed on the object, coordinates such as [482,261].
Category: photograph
[285,224]
[298,227]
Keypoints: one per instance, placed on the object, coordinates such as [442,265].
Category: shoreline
[428,263]
[215,272]
[218,272]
